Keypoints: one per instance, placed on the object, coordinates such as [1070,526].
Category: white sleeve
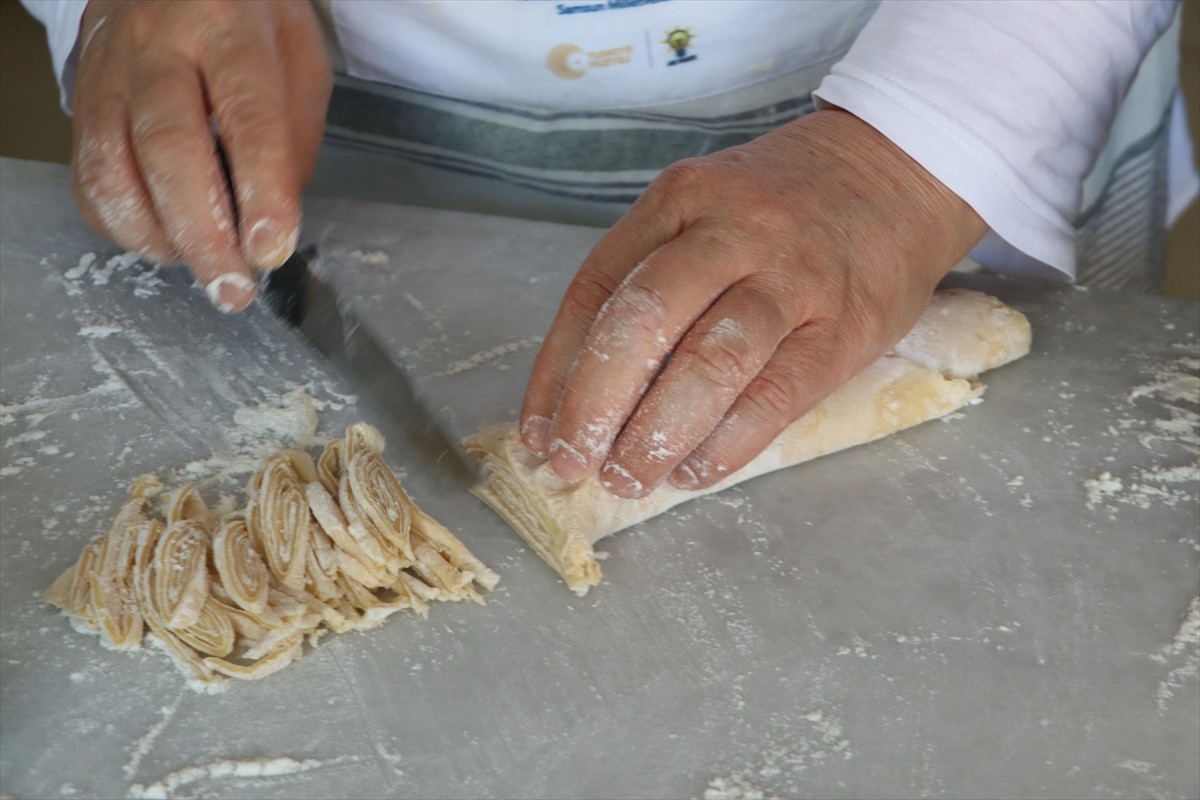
[61,18]
[1006,102]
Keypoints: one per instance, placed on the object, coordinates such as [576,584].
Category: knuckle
[223,14]
[720,363]
[138,24]
[772,397]
[585,297]
[638,304]
[762,217]
[157,135]
[250,108]
[684,175]
[243,103]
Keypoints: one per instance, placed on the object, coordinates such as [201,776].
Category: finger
[807,366]
[173,144]
[245,88]
[108,184]
[714,363]
[645,227]
[308,83]
[635,330]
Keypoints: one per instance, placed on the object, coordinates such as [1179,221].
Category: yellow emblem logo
[678,40]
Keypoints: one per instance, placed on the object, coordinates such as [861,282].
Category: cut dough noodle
[929,374]
[236,597]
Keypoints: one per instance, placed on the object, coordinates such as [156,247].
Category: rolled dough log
[929,374]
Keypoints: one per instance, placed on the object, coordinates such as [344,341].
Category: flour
[223,768]
[258,431]
[79,270]
[102,331]
[733,789]
[780,765]
[486,356]
[141,748]
[1185,647]
[1173,433]
[144,280]
[1101,487]
[425,313]
[1173,387]
[27,436]
[374,257]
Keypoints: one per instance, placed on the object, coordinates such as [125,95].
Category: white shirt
[1008,102]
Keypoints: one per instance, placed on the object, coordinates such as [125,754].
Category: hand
[738,291]
[145,169]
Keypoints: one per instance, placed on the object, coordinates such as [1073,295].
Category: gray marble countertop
[988,605]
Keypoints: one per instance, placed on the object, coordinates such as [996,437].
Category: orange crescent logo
[567,61]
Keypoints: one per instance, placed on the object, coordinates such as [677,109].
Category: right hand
[144,167]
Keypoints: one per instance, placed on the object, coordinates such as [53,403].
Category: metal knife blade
[297,296]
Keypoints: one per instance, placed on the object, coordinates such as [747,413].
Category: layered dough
[929,374]
[335,544]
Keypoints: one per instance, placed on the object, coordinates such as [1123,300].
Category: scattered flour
[732,789]
[145,280]
[100,331]
[1101,487]
[223,768]
[1185,647]
[79,270]
[1176,386]
[258,431]
[1174,431]
[141,748]
[374,257]
[424,311]
[485,356]
[781,764]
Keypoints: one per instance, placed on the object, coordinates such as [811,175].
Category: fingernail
[617,480]
[269,244]
[684,477]
[536,434]
[230,292]
[567,462]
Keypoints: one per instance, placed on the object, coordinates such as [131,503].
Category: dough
[236,597]
[929,374]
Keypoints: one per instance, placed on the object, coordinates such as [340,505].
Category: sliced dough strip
[239,564]
[178,577]
[278,515]
[294,560]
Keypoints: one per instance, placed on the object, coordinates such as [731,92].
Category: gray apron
[398,145]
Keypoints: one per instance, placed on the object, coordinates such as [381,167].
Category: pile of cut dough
[929,374]
[331,545]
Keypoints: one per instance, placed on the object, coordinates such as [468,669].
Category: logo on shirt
[571,62]
[678,40]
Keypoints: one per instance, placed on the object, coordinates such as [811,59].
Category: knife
[297,296]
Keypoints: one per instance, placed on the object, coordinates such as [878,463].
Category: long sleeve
[61,18]
[1007,102]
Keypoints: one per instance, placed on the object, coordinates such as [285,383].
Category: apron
[586,156]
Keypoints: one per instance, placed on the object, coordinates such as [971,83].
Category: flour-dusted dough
[334,544]
[929,374]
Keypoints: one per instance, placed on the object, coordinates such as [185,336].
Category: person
[787,181]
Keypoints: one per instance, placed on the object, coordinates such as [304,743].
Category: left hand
[738,291]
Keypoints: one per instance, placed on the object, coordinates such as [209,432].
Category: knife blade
[297,296]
